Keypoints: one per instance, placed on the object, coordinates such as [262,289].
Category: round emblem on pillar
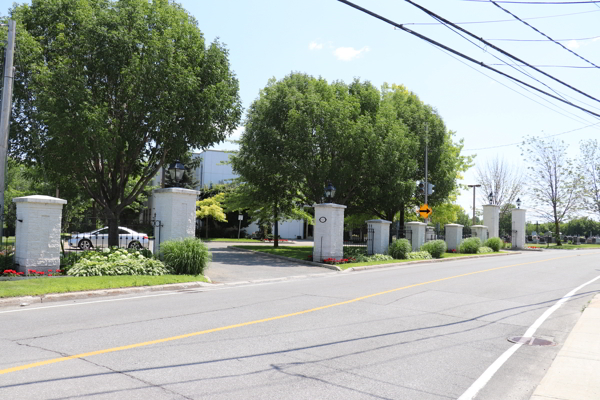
[323,219]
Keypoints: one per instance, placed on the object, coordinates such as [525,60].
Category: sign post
[240,218]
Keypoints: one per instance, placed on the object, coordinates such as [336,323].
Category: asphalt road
[415,332]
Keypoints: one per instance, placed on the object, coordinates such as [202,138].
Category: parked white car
[99,238]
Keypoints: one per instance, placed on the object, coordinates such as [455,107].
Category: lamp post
[491,197]
[176,170]
[518,203]
[329,192]
[474,186]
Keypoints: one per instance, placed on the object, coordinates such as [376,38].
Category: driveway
[229,265]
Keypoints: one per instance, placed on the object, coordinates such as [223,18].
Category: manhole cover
[531,341]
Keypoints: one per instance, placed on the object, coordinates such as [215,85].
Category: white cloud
[573,45]
[349,53]
[315,46]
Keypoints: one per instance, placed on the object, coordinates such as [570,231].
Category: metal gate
[370,240]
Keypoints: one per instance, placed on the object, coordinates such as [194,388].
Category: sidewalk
[575,372]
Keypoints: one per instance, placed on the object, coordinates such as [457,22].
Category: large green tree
[107,92]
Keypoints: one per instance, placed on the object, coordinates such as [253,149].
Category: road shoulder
[574,373]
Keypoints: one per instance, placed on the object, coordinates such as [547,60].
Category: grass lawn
[553,246]
[302,253]
[45,285]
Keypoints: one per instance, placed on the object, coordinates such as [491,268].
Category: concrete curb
[367,267]
[53,297]
[573,374]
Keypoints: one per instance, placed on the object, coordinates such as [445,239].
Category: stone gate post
[518,228]
[328,231]
[491,219]
[37,237]
[454,233]
[417,232]
[480,231]
[175,215]
[381,236]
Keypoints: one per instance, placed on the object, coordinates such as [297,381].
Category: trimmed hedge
[470,245]
[494,243]
[186,257]
[399,249]
[435,247]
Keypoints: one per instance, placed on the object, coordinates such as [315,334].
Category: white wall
[211,169]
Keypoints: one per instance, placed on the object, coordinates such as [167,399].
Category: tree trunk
[557,233]
[276,229]
[402,210]
[113,231]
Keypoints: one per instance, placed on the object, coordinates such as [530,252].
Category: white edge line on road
[496,365]
[89,302]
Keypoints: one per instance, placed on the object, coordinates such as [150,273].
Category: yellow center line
[259,321]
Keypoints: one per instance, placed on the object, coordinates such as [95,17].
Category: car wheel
[135,245]
[85,244]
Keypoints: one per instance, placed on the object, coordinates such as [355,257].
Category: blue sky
[271,38]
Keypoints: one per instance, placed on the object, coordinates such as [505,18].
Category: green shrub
[185,257]
[484,249]
[435,247]
[359,254]
[399,249]
[116,262]
[470,245]
[419,255]
[494,243]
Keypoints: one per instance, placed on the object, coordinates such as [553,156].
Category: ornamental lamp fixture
[518,203]
[491,197]
[176,171]
[329,192]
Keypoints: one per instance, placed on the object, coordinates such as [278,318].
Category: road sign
[425,211]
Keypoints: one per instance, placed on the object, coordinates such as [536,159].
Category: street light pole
[5,113]
[474,186]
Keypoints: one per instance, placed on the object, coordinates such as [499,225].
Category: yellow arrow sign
[425,211]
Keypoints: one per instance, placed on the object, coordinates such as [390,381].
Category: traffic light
[430,188]
[421,187]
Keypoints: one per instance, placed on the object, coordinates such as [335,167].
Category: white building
[214,169]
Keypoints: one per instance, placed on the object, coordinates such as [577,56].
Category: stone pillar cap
[452,225]
[378,221]
[491,205]
[478,226]
[415,223]
[332,205]
[39,199]
[176,190]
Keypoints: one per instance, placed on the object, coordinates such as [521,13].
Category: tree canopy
[106,92]
[303,132]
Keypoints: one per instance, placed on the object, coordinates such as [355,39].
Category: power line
[546,40]
[550,66]
[542,33]
[505,20]
[538,2]
[516,143]
[364,10]
[439,18]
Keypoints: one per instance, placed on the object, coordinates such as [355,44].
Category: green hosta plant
[484,249]
[380,257]
[418,255]
[116,262]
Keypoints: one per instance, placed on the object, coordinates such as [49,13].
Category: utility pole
[474,186]
[426,166]
[5,113]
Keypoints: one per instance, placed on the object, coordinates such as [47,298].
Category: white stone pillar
[480,231]
[454,236]
[175,210]
[381,236]
[518,228]
[491,219]
[328,231]
[37,237]
[417,233]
